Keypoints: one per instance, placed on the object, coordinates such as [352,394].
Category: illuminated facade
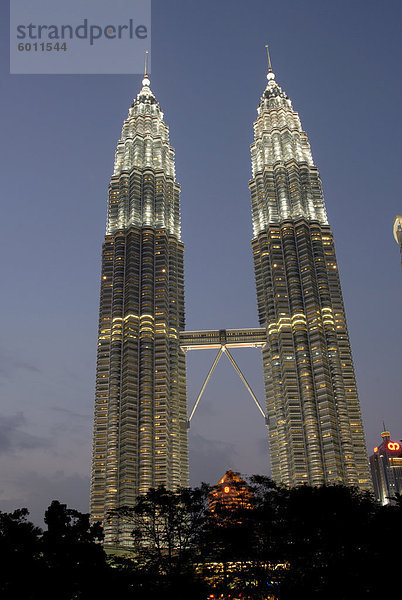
[140,435]
[386,469]
[315,425]
[231,493]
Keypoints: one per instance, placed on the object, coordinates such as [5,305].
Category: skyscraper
[140,436]
[315,426]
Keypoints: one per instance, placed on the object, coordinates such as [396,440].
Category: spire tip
[271,74]
[146,81]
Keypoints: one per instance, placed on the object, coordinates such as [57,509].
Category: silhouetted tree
[333,540]
[167,528]
[324,543]
[19,555]
[74,560]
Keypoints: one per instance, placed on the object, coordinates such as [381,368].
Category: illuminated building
[230,493]
[386,469]
[232,576]
[398,232]
[140,435]
[313,413]
[315,425]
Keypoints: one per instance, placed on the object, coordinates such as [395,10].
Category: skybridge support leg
[244,380]
[211,370]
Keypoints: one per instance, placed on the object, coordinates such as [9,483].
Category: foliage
[73,557]
[322,543]
[167,529]
[19,555]
[65,562]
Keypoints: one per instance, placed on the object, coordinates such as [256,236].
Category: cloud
[70,413]
[13,439]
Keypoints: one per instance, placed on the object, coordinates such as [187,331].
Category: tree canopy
[328,542]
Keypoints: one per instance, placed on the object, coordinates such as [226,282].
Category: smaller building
[231,493]
[386,469]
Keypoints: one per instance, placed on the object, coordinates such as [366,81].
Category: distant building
[398,232]
[230,493]
[386,469]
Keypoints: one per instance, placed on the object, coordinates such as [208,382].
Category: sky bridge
[216,338]
[222,340]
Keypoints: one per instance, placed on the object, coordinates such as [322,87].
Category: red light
[376,449]
[226,489]
[393,446]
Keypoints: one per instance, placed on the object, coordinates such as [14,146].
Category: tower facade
[315,425]
[140,435]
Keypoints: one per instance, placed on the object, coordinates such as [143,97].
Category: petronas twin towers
[313,414]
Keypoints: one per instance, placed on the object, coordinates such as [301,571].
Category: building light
[394,446]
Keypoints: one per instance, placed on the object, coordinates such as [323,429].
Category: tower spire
[146,81]
[270,74]
[385,433]
[269,59]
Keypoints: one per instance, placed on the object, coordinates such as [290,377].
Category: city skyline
[69,126]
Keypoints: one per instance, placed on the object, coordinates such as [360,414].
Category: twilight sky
[340,64]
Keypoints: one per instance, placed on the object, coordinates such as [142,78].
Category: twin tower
[141,417]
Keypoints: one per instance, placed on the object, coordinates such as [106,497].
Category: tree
[326,534]
[324,543]
[19,555]
[74,560]
[167,529]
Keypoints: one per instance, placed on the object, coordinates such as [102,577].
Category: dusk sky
[339,62]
